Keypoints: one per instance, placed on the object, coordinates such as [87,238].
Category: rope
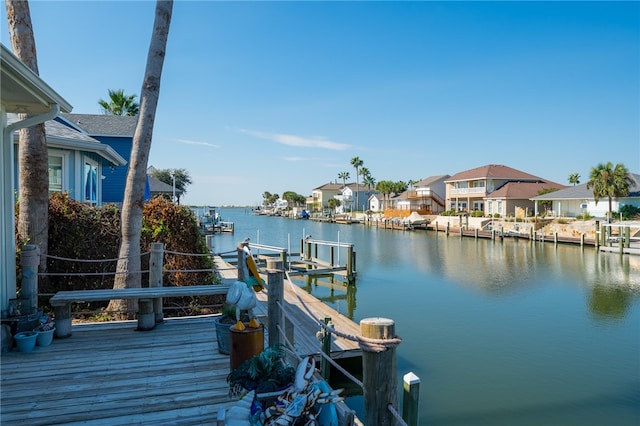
[85,274]
[292,349]
[93,260]
[367,344]
[395,414]
[342,370]
[189,254]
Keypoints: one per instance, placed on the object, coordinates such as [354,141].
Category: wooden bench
[147,318]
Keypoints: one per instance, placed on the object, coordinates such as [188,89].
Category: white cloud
[294,159]
[188,142]
[293,140]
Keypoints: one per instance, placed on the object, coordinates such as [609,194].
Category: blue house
[77,162]
[114,131]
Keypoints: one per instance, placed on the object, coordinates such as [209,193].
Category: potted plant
[223,328]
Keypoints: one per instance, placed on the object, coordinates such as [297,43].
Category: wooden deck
[109,374]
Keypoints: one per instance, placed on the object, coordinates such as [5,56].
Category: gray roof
[60,136]
[431,179]
[103,124]
[580,192]
[157,186]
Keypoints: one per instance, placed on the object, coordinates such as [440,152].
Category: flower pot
[45,337]
[223,333]
[26,340]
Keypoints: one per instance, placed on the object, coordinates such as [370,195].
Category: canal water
[500,333]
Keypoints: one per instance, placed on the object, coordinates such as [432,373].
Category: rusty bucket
[245,344]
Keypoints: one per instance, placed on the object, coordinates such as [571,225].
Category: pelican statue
[242,294]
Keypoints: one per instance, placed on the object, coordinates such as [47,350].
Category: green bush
[80,231]
[477,213]
[629,212]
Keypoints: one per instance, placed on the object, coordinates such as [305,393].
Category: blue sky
[280,96]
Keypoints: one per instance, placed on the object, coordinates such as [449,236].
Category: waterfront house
[476,190]
[353,193]
[21,91]
[577,200]
[115,131]
[321,195]
[77,162]
[426,197]
[375,202]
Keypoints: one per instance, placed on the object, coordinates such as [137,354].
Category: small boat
[414,219]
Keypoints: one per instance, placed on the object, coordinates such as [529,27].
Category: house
[77,162]
[426,197]
[494,189]
[354,197]
[578,200]
[321,195]
[21,91]
[157,187]
[115,131]
[375,202]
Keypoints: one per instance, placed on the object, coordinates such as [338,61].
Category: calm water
[500,333]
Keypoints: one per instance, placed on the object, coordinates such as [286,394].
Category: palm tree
[385,187]
[356,162]
[120,104]
[574,178]
[412,182]
[344,176]
[33,179]
[128,267]
[609,181]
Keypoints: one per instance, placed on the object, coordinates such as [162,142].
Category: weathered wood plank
[64,297]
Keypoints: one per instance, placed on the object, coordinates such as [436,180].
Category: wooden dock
[110,374]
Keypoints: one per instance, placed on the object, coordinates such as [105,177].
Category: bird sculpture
[242,294]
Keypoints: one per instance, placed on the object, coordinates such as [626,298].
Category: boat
[414,219]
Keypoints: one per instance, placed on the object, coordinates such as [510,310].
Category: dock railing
[377,339]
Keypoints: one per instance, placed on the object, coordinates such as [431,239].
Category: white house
[21,91]
[578,200]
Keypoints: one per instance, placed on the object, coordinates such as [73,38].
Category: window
[500,212]
[90,182]
[55,173]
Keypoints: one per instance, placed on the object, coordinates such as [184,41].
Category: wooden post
[475,233]
[597,234]
[63,320]
[410,399]
[379,373]
[349,261]
[240,260]
[29,261]
[620,240]
[146,318]
[582,239]
[627,237]
[325,366]
[446,231]
[331,257]
[283,258]
[555,237]
[275,315]
[155,277]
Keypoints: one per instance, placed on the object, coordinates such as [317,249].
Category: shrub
[80,231]
[477,213]
[629,212]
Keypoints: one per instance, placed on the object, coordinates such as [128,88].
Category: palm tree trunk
[128,268]
[33,157]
